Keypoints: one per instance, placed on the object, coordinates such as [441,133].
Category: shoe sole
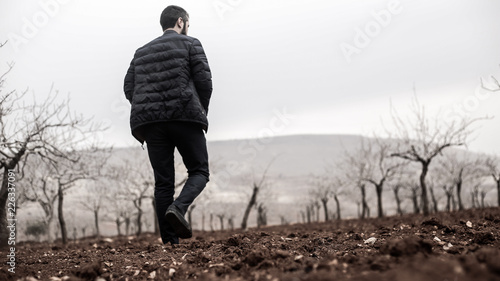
[180,229]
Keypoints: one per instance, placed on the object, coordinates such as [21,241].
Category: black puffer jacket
[168,80]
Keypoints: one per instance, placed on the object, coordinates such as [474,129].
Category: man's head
[176,18]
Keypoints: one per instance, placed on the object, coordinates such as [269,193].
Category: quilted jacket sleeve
[129,84]
[201,74]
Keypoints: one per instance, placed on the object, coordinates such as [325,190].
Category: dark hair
[171,14]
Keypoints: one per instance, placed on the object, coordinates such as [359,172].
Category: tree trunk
[448,201]
[398,200]
[483,195]
[203,221]
[261,215]
[47,229]
[434,201]
[60,213]
[4,194]
[379,188]
[364,205]
[157,226]
[118,224]
[212,222]
[453,203]
[221,219]
[459,195]
[414,197]
[138,205]
[423,187]
[473,199]
[337,202]
[325,207]
[317,212]
[498,191]
[127,226]
[96,222]
[251,203]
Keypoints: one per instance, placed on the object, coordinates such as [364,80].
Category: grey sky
[278,66]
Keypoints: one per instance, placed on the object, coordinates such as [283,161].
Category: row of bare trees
[420,155]
[59,142]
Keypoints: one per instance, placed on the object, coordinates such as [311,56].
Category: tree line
[423,156]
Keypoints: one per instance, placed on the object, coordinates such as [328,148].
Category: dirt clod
[406,247]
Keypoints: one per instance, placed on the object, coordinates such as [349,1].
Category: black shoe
[177,221]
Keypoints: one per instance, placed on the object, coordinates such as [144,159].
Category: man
[169,85]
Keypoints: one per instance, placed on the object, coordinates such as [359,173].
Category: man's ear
[179,21]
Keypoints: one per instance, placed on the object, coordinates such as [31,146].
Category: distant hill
[235,164]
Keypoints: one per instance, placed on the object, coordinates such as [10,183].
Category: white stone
[371,240]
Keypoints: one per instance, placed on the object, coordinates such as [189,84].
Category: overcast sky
[279,67]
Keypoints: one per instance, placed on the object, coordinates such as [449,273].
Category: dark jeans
[189,138]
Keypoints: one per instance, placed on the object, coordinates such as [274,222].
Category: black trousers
[189,139]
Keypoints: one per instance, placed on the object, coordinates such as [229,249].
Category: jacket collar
[170,32]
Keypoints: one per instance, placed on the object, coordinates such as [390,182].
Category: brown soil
[406,248]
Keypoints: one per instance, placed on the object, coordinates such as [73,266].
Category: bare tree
[47,128]
[493,168]
[421,140]
[283,220]
[212,222]
[380,166]
[450,199]
[355,170]
[483,193]
[221,220]
[436,180]
[39,188]
[257,186]
[83,165]
[230,222]
[221,214]
[203,203]
[127,219]
[325,187]
[261,215]
[396,189]
[434,200]
[415,189]
[94,200]
[303,216]
[120,209]
[337,203]
[310,212]
[136,185]
[321,192]
[461,169]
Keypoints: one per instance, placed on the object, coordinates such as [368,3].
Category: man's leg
[161,156]
[192,145]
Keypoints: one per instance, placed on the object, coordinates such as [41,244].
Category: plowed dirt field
[453,246]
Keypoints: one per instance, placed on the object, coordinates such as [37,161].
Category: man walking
[169,85]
